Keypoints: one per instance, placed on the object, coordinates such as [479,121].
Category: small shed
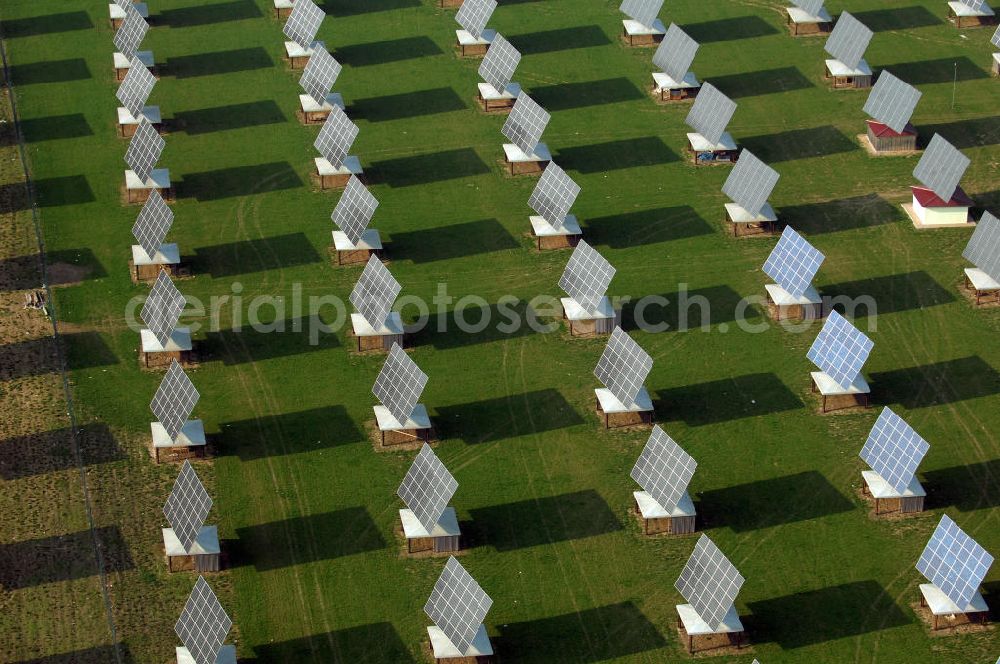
[204,554]
[444,538]
[349,253]
[444,651]
[800,22]
[657,521]
[137,191]
[519,163]
[153,355]
[699,636]
[882,138]
[122,63]
[964,16]
[416,429]
[127,123]
[929,211]
[313,113]
[782,305]
[616,414]
[705,153]
[583,323]
[637,34]
[843,77]
[744,224]
[835,397]
[190,443]
[933,598]
[448,4]
[282,8]
[227,655]
[296,56]
[337,178]
[117,14]
[982,285]
[381,339]
[548,236]
[144,269]
[492,100]
[888,500]
[665,88]
[471,47]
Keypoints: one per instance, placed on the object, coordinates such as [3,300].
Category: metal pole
[954,84]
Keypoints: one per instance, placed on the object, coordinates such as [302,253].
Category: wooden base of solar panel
[448,4]
[705,153]
[416,429]
[842,77]
[444,538]
[468,46]
[227,655]
[352,254]
[444,651]
[667,89]
[637,34]
[519,163]
[995,69]
[981,286]
[932,598]
[337,178]
[154,356]
[883,140]
[127,123]
[312,113]
[142,269]
[782,305]
[137,191]
[616,414]
[745,224]
[549,237]
[696,632]
[964,16]
[658,521]
[116,14]
[491,100]
[190,443]
[204,555]
[801,23]
[889,501]
[282,8]
[381,339]
[121,63]
[927,211]
[296,56]
[583,323]
[835,397]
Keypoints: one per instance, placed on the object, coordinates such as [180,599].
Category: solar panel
[124,4]
[525,124]
[664,469]
[303,23]
[995,39]
[144,149]
[709,582]
[643,11]
[710,113]
[750,183]
[554,195]
[174,400]
[399,384]
[187,506]
[135,88]
[152,224]
[131,32]
[163,308]
[336,137]
[954,562]
[623,367]
[811,7]
[793,263]
[427,488]
[892,101]
[458,605]
[587,276]
[203,624]
[983,249]
[894,450]
[840,350]
[319,74]
[675,53]
[849,40]
[501,60]
[375,292]
[976,5]
[474,14]
[941,167]
[354,211]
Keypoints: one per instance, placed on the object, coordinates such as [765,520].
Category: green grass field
[307,508]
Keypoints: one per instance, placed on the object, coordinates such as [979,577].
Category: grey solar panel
[642,11]
[941,167]
[525,124]
[427,488]
[983,249]
[131,32]
[336,137]
[124,4]
[473,16]
[554,195]
[144,149]
[849,40]
[995,39]
[303,23]
[586,277]
[375,292]
[710,113]
[623,367]
[840,350]
[187,506]
[152,224]
[399,384]
[975,5]
[709,582]
[892,101]
[954,562]
[135,88]
[354,210]
[458,605]
[793,263]
[174,400]
[894,450]
[319,74]
[501,60]
[664,470]
[675,53]
[811,7]
[163,308]
[750,183]
[203,624]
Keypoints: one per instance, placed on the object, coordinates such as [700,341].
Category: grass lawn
[306,507]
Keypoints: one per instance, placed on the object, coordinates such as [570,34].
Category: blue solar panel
[954,562]
[793,263]
[894,450]
[840,350]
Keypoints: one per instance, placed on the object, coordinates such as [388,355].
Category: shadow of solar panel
[458,605]
[983,249]
[849,40]
[664,469]
[427,488]
[623,367]
[941,167]
[894,450]
[709,582]
[587,277]
[375,292]
[750,183]
[793,263]
[710,113]
[954,562]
